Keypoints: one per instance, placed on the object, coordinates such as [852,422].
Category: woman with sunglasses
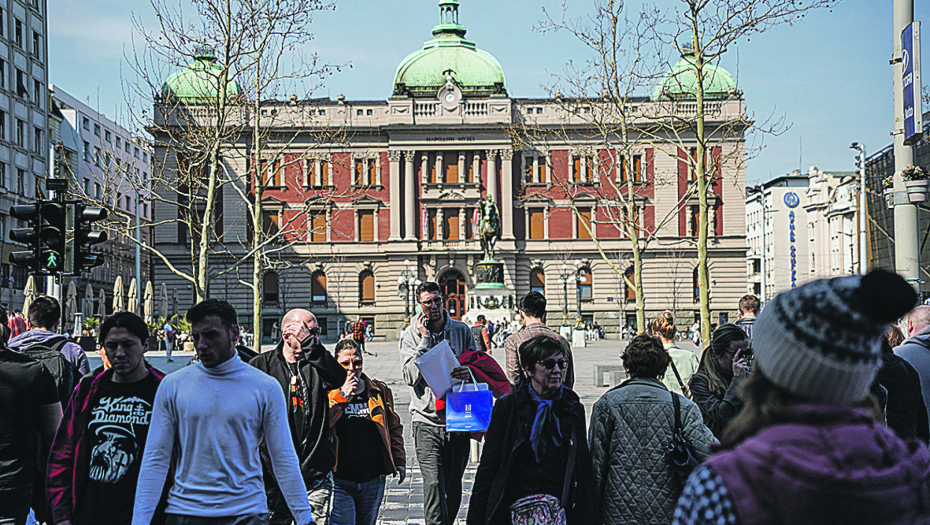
[715,386]
[369,441]
[535,466]
[631,428]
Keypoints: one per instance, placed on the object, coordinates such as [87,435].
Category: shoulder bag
[685,391]
[680,453]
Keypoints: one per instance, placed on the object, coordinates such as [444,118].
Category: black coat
[905,411]
[511,421]
[320,371]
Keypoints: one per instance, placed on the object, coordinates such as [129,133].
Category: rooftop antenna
[800,153]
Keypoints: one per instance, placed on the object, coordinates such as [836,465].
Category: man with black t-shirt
[29,409]
[94,464]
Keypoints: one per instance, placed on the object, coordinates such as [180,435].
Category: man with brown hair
[748,308]
[533,313]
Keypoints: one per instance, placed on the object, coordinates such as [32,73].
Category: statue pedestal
[490,297]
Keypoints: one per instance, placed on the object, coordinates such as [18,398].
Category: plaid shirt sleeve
[705,500]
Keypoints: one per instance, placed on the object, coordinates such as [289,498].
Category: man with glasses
[442,455]
[306,371]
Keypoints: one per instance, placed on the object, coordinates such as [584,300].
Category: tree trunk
[701,169]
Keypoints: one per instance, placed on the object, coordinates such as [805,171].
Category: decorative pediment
[451,196]
[586,197]
[538,198]
[367,200]
[536,264]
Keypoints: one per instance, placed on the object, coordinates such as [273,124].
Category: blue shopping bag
[469,410]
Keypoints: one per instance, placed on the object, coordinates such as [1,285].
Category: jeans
[357,503]
[249,519]
[443,457]
[319,495]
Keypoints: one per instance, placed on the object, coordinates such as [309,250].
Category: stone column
[492,175]
[424,167]
[462,173]
[394,159]
[507,194]
[462,228]
[410,201]
[441,224]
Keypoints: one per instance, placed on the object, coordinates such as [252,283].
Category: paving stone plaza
[403,504]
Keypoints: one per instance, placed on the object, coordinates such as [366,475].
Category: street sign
[910,74]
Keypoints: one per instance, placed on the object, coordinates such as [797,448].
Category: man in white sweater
[218,411]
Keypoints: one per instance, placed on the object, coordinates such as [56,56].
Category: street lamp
[406,285]
[574,275]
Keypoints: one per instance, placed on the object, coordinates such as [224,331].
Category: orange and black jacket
[381,408]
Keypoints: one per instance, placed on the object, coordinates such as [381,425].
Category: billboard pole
[907,247]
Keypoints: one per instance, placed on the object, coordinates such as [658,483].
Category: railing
[427,109]
[476,108]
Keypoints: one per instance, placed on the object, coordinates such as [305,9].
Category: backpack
[65,373]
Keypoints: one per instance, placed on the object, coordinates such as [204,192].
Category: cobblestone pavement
[403,504]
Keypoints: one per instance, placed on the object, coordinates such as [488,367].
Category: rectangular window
[451,162]
[2,23]
[582,223]
[128,147]
[135,152]
[106,160]
[451,226]
[589,168]
[97,156]
[86,151]
[270,225]
[433,232]
[2,124]
[87,187]
[318,228]
[86,123]
[98,191]
[119,142]
[638,168]
[107,136]
[541,171]
[2,73]
[695,220]
[528,170]
[360,173]
[366,226]
[272,177]
[18,32]
[471,166]
[36,44]
[20,133]
[97,129]
[39,143]
[537,224]
[324,173]
[21,181]
[37,90]
[576,169]
[21,90]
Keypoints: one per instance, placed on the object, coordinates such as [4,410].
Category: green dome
[474,71]
[681,82]
[198,82]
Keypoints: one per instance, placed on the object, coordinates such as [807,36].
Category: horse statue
[489,227]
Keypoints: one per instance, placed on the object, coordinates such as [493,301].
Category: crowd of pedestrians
[809,410]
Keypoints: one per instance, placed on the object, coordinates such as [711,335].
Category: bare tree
[627,51]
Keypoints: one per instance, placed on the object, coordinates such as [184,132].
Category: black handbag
[680,452]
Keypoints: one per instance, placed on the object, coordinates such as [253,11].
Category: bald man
[306,371]
[916,348]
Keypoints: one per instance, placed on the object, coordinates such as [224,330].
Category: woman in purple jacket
[807,446]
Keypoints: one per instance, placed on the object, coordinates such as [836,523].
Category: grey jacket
[631,426]
[916,351]
[412,346]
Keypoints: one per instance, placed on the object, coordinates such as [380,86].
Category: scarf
[545,424]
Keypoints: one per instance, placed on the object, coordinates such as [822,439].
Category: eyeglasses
[434,301]
[352,364]
[550,363]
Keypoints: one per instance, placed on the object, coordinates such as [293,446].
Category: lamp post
[863,210]
[406,284]
[573,275]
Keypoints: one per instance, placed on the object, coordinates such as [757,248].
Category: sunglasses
[550,363]
[436,300]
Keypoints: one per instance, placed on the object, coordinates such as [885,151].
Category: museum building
[370,194]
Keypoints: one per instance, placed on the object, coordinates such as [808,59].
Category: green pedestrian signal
[52,236]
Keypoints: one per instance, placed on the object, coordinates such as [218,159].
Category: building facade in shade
[833,224]
[103,159]
[398,187]
[24,128]
[881,218]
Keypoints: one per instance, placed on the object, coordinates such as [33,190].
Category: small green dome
[198,82]
[681,82]
[474,71]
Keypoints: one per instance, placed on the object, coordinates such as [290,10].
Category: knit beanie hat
[822,341]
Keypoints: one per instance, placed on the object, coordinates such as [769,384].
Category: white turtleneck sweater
[219,416]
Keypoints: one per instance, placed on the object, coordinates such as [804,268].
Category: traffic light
[51,235]
[85,237]
[28,236]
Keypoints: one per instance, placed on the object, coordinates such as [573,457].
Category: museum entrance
[452,284]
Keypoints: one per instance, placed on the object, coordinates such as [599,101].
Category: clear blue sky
[828,75]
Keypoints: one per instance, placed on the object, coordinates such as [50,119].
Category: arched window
[629,283]
[270,288]
[366,288]
[538,281]
[585,284]
[318,289]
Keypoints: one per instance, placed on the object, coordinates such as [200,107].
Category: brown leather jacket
[381,407]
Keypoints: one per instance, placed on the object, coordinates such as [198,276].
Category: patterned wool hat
[822,341]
